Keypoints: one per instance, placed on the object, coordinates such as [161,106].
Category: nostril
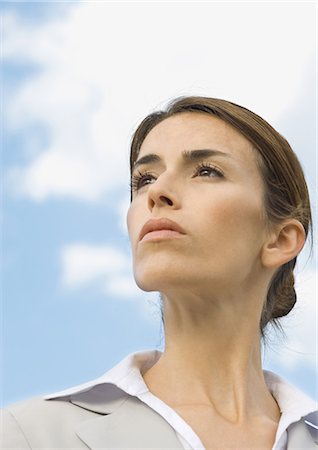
[166,199]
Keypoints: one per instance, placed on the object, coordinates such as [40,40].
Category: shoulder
[39,422]
[24,423]
[39,409]
[35,404]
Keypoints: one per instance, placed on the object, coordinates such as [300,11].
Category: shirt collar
[127,375]
[293,403]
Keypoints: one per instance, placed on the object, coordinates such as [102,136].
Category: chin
[158,278]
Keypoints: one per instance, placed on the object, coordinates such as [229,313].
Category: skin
[215,278]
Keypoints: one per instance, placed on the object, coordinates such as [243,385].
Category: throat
[236,404]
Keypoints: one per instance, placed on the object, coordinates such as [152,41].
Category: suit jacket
[103,419]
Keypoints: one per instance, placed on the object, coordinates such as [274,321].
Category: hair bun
[283,294]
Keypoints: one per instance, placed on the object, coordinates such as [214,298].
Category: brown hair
[285,190]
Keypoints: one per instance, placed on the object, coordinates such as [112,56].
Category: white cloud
[122,286]
[103,66]
[82,264]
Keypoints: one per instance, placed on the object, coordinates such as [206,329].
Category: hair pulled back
[286,194]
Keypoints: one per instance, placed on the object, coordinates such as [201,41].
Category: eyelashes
[211,168]
[137,181]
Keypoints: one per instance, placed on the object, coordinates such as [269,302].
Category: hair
[286,194]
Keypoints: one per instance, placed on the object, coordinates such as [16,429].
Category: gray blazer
[101,419]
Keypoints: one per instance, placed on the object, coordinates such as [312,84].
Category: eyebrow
[187,156]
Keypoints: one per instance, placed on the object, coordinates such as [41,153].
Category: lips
[160,224]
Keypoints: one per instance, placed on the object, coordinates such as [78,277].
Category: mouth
[161,228]
[159,235]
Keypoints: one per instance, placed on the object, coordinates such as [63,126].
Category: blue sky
[77,79]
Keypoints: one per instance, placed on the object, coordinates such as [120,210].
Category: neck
[212,357]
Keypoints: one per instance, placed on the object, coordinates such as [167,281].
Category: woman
[219,212]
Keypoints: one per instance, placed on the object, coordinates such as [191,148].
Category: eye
[208,168]
[138,180]
[142,179]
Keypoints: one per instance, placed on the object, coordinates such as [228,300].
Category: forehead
[186,131]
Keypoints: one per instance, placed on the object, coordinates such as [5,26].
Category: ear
[283,244]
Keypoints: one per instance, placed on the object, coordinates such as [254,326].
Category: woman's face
[220,210]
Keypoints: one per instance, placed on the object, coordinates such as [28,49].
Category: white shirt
[127,375]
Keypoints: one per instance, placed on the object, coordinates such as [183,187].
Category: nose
[160,193]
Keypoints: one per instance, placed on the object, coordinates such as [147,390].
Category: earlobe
[283,244]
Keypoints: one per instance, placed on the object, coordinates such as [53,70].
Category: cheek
[233,223]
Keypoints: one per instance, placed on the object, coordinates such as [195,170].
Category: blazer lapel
[125,422]
[300,438]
